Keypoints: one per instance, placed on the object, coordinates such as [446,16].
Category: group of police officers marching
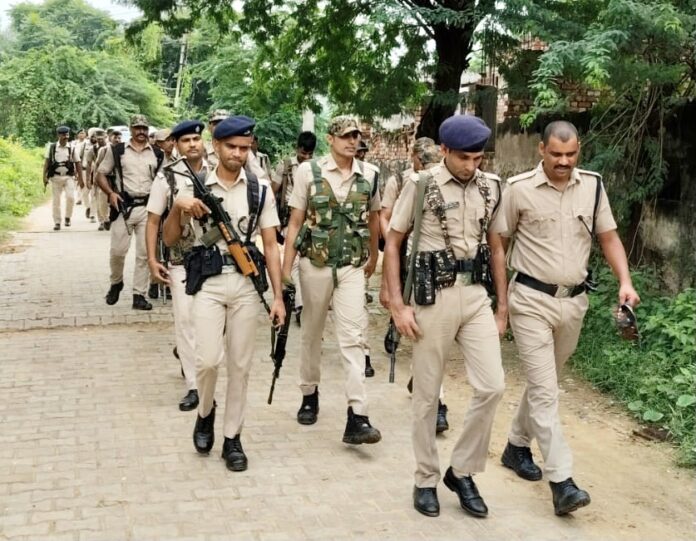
[450,230]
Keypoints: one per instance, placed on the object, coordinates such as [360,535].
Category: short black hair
[307,141]
[561,129]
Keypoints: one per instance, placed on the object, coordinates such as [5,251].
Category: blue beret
[464,132]
[234,125]
[62,129]
[187,127]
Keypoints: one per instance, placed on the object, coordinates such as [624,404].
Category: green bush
[655,377]
[20,181]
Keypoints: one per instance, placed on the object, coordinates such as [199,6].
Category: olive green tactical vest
[336,234]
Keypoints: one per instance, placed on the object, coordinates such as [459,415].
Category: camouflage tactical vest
[336,234]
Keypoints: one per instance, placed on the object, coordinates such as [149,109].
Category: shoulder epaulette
[591,173]
[492,176]
[522,176]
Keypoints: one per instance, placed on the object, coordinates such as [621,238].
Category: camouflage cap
[139,120]
[426,150]
[343,124]
[218,114]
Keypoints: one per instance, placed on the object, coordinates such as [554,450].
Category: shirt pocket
[541,224]
[581,222]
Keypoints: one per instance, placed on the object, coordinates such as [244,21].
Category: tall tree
[371,57]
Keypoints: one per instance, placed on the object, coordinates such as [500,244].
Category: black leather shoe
[369,371]
[567,497]
[307,414]
[234,456]
[469,497]
[107,225]
[190,401]
[425,501]
[442,423]
[113,294]
[67,222]
[359,430]
[153,291]
[56,227]
[519,460]
[140,303]
[87,212]
[204,433]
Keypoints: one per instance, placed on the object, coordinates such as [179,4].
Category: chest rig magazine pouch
[336,234]
[206,260]
[129,201]
[66,168]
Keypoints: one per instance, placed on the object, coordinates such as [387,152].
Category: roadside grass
[655,377]
[20,183]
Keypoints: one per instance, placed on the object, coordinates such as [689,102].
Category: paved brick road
[92,445]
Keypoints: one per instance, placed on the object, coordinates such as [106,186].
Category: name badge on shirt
[452,205]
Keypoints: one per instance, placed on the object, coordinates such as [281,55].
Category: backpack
[53,165]
[118,151]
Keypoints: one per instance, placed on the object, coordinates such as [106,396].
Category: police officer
[167,186]
[261,157]
[112,138]
[459,201]
[165,142]
[425,155]
[135,163]
[79,146]
[334,223]
[225,310]
[283,183]
[215,117]
[551,213]
[61,168]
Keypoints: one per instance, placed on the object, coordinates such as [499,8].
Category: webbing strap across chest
[436,203]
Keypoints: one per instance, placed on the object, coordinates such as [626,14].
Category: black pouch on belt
[423,279]
[201,263]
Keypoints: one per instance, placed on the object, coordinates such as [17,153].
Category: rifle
[236,248]
[391,339]
[164,260]
[281,339]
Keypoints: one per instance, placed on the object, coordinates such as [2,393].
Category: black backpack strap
[52,154]
[598,195]
[500,196]
[256,196]
[159,154]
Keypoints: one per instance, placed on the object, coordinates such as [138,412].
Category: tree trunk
[453,45]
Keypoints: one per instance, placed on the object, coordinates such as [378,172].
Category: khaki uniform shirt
[392,190]
[252,162]
[551,229]
[278,176]
[158,203]
[331,173]
[234,200]
[62,154]
[139,168]
[464,209]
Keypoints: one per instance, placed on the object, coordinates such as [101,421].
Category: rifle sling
[420,200]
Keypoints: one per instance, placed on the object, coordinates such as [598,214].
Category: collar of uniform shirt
[541,177]
[147,145]
[331,165]
[213,179]
[444,175]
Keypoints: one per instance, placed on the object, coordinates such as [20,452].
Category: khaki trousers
[546,331]
[101,204]
[295,273]
[225,315]
[349,315]
[182,306]
[461,313]
[121,232]
[60,184]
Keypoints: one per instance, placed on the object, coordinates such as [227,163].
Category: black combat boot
[107,225]
[204,433]
[359,430]
[369,371]
[140,303]
[307,414]
[567,497]
[441,425]
[519,460]
[67,222]
[234,456]
[113,294]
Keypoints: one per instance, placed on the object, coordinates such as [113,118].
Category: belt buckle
[562,292]
[464,278]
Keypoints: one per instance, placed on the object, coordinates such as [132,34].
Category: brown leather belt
[549,289]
